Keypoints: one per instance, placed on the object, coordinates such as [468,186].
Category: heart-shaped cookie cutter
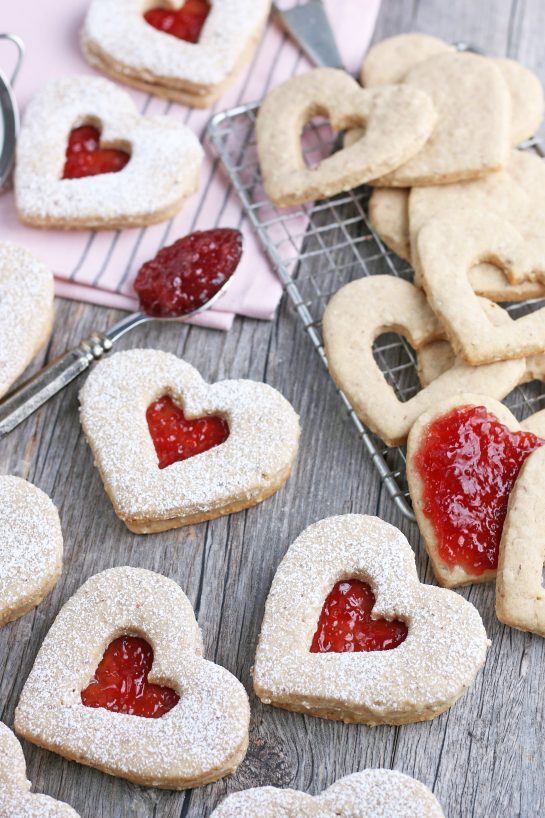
[9,112]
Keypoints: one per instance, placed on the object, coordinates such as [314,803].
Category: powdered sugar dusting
[445,647]
[26,310]
[17,804]
[162,171]
[12,761]
[256,457]
[201,739]
[116,30]
[368,794]
[30,546]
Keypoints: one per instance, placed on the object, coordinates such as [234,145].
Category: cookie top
[26,310]
[389,61]
[376,793]
[12,761]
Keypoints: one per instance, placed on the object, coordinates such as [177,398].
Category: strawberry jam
[184,23]
[85,157]
[346,625]
[187,274]
[177,438]
[121,682]
[468,463]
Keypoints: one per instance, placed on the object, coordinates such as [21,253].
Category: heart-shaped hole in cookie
[121,682]
[468,463]
[185,23]
[85,156]
[347,626]
[318,140]
[176,437]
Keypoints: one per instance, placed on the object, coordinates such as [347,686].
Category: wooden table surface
[482,758]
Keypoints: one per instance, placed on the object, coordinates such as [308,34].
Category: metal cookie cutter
[9,113]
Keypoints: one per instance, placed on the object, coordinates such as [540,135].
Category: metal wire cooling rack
[316,248]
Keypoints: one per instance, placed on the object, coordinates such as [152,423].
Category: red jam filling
[185,23]
[468,463]
[85,157]
[121,682]
[183,277]
[177,438]
[346,625]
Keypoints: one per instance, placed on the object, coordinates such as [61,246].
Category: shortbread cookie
[520,596]
[196,728]
[398,120]
[251,437]
[389,62]
[117,40]
[15,799]
[365,309]
[162,171]
[408,652]
[463,458]
[30,547]
[26,310]
[388,212]
[362,795]
[471,137]
[447,247]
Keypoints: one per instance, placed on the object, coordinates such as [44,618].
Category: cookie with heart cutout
[186,51]
[15,799]
[87,159]
[397,119]
[349,632]
[367,794]
[356,316]
[31,547]
[232,444]
[26,310]
[184,721]
[464,455]
[448,246]
[520,596]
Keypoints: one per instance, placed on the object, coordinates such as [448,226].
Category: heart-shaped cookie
[202,738]
[163,169]
[15,800]
[520,596]
[463,457]
[363,310]
[472,134]
[362,795]
[118,40]
[447,248]
[397,120]
[234,473]
[26,310]
[30,547]
[420,678]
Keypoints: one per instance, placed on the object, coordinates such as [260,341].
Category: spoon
[22,402]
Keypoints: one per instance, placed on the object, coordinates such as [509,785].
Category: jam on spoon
[85,157]
[184,23]
[121,682]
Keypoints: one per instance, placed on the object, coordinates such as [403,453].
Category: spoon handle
[32,394]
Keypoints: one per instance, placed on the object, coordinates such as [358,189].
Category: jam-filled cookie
[173,450]
[181,722]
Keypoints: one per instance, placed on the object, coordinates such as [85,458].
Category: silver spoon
[27,398]
[9,116]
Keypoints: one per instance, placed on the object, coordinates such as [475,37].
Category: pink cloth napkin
[100,267]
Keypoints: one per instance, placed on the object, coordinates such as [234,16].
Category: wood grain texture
[484,757]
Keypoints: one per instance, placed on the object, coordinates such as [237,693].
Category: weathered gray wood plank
[485,756]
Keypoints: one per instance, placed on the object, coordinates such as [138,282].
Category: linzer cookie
[362,795]
[173,450]
[181,722]
[187,51]
[30,547]
[87,159]
[463,457]
[26,310]
[398,120]
[15,799]
[365,309]
[349,632]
